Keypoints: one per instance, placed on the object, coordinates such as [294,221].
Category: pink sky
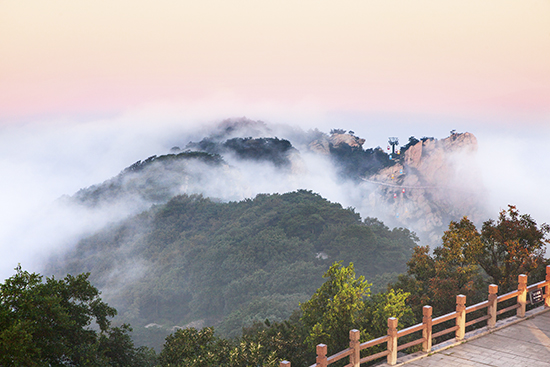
[450,57]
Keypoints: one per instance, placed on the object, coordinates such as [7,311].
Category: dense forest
[197,262]
[216,280]
[51,323]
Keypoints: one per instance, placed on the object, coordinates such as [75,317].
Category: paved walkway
[515,343]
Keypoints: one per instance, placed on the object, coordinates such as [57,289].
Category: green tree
[512,245]
[335,308]
[194,348]
[49,324]
[339,305]
[285,340]
[436,280]
[342,303]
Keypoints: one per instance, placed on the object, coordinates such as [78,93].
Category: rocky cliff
[433,181]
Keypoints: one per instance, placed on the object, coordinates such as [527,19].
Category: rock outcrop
[324,144]
[434,182]
[337,140]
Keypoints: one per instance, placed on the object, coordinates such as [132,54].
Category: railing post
[547,290]
[355,357]
[522,295]
[427,330]
[392,341]
[492,309]
[321,360]
[460,316]
[284,364]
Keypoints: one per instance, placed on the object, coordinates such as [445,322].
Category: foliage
[335,307]
[503,249]
[230,264]
[355,162]
[337,131]
[193,348]
[261,346]
[342,303]
[512,245]
[270,149]
[154,180]
[285,340]
[49,324]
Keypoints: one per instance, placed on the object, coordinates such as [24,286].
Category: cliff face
[435,181]
[422,154]
[336,141]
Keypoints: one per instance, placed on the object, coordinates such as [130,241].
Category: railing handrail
[428,322]
[507,296]
[338,356]
[373,342]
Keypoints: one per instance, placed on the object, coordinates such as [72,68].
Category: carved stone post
[392,341]
[522,296]
[492,309]
[427,330]
[284,364]
[547,290]
[355,357]
[321,359]
[460,316]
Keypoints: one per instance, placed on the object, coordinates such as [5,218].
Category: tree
[436,280]
[194,348]
[512,245]
[48,324]
[282,340]
[335,308]
[342,303]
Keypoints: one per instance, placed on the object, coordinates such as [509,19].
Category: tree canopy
[51,324]
[342,303]
[469,259]
[201,262]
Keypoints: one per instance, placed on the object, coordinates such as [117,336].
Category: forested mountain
[205,236]
[421,186]
[153,181]
[198,262]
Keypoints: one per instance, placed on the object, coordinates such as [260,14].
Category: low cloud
[42,161]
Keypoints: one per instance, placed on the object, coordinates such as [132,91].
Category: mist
[43,160]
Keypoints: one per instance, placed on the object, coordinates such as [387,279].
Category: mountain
[154,180]
[197,262]
[223,233]
[427,184]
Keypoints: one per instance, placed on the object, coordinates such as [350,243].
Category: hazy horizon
[88,88]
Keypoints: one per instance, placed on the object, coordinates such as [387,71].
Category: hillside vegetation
[197,262]
[50,323]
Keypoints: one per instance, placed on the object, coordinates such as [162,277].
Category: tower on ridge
[393,142]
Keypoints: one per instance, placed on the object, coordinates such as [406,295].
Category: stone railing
[460,316]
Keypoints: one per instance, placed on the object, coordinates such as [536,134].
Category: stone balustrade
[459,328]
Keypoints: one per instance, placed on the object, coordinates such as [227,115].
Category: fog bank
[43,160]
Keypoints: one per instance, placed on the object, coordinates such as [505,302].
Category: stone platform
[515,342]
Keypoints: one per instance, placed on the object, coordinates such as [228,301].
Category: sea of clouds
[43,159]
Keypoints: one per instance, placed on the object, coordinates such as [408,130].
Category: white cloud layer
[43,160]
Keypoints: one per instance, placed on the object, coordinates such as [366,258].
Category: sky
[89,87]
[64,57]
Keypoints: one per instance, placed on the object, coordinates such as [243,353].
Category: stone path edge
[472,335]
